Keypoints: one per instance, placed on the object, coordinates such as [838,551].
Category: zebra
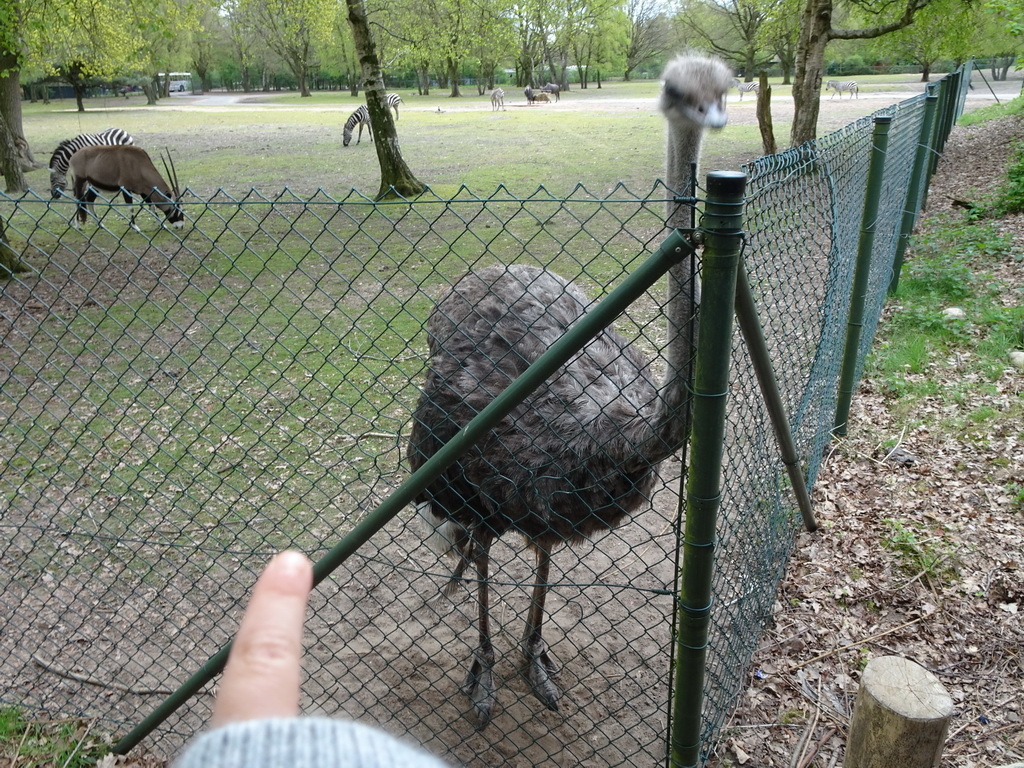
[62,155]
[392,100]
[361,117]
[497,99]
[838,86]
[752,87]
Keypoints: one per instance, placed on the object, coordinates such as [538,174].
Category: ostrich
[580,453]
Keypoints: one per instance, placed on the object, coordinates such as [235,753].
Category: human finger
[261,678]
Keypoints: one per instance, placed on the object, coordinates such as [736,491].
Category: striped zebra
[752,87]
[62,155]
[393,100]
[838,86]
[361,118]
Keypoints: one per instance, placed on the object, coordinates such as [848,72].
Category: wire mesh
[179,405]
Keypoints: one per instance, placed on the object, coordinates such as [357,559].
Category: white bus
[179,82]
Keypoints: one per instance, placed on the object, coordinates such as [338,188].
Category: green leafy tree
[817,31]
[295,30]
[945,29]
[600,44]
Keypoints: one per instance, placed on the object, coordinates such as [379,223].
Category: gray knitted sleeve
[302,742]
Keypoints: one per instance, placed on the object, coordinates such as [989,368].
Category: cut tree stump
[900,718]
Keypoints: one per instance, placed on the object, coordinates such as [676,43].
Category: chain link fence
[180,405]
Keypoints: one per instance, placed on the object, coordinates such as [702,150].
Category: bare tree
[647,34]
[733,30]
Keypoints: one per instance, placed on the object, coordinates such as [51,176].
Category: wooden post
[900,718]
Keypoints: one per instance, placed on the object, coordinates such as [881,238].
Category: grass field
[595,137]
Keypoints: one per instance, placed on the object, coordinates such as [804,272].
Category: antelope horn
[170,170]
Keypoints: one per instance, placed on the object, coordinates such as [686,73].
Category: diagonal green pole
[671,252]
[721,223]
[760,360]
[861,272]
[915,194]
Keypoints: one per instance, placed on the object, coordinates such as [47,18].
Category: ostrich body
[581,452]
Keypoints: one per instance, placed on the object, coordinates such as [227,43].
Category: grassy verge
[66,743]
[950,345]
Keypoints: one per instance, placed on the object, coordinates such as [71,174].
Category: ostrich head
[693,90]
[692,100]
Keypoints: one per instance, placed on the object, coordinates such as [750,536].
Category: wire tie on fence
[696,613]
[709,395]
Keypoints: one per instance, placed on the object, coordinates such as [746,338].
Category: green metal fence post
[938,139]
[672,250]
[915,193]
[861,272]
[722,222]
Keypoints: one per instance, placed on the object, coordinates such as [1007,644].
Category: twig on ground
[826,654]
[50,667]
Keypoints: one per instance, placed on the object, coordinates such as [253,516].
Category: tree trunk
[764,116]
[396,178]
[15,154]
[926,73]
[815,30]
[453,76]
[10,261]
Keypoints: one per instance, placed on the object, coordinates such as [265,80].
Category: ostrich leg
[479,684]
[540,666]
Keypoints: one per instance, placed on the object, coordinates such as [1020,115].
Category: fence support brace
[671,252]
[753,335]
[861,272]
[915,193]
[722,223]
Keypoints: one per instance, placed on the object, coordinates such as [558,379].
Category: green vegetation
[948,303]
[65,743]
[992,112]
[921,553]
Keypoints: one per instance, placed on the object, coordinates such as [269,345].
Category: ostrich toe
[540,668]
[479,687]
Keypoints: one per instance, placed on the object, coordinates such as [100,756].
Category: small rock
[954,313]
[1017,359]
[902,457]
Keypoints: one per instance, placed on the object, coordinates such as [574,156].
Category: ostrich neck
[671,425]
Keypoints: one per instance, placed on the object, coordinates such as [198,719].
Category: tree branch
[913,6]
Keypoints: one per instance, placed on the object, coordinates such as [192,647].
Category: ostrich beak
[715,116]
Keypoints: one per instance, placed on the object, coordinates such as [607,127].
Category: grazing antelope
[130,171]
[554,89]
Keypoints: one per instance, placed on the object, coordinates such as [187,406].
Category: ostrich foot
[540,668]
[479,687]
